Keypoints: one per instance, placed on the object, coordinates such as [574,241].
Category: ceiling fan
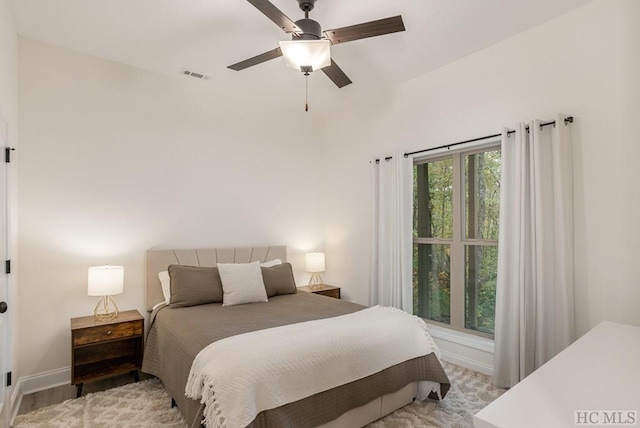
[308,49]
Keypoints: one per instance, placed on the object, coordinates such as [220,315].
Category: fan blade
[274,14]
[336,75]
[368,29]
[256,60]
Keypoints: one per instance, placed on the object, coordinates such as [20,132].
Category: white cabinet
[600,372]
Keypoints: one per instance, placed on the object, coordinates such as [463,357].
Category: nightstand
[324,289]
[104,349]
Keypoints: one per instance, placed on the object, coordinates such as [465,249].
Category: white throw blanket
[240,376]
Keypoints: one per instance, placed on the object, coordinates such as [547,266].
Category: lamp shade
[105,280]
[314,262]
[306,53]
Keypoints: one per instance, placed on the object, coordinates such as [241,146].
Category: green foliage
[480,287]
[438,197]
[431,267]
[482,195]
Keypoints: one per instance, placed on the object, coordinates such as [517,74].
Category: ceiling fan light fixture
[306,53]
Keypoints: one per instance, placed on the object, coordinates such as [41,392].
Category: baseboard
[35,383]
[468,363]
[45,380]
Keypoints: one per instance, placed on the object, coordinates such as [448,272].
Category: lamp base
[315,282]
[106,309]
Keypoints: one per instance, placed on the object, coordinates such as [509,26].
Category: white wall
[8,68]
[116,160]
[585,63]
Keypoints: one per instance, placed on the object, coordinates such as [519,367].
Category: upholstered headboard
[158,261]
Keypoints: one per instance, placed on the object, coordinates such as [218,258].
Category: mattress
[177,335]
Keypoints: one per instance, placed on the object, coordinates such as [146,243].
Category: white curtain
[391,274]
[534,295]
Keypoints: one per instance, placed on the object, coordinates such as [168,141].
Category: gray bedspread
[177,335]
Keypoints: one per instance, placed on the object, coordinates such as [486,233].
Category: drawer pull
[109,332]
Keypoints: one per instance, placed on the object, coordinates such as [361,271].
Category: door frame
[5,278]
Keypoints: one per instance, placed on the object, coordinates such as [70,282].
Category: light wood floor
[62,393]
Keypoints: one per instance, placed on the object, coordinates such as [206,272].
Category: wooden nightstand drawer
[335,293]
[323,290]
[101,333]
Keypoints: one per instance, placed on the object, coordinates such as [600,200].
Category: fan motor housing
[311,30]
[306,5]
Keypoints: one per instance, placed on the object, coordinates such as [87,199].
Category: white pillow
[242,283]
[271,263]
[165,281]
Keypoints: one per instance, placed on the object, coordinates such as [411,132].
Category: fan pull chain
[306,92]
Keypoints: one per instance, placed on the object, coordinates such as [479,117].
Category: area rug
[146,405]
[143,404]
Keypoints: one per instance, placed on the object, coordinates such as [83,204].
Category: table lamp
[314,264]
[105,281]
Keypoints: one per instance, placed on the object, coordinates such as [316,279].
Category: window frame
[459,241]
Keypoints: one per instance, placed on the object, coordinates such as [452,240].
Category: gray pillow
[279,280]
[193,285]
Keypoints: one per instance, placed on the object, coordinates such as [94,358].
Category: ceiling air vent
[196,75]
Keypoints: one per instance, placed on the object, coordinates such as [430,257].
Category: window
[455,239]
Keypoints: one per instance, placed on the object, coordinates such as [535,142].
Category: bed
[177,335]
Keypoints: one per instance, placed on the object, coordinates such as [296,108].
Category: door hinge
[8,379]
[7,266]
[7,154]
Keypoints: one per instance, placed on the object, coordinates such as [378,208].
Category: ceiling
[169,36]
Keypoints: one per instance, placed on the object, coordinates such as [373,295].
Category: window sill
[461,338]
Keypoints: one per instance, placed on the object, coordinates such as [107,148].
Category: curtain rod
[567,121]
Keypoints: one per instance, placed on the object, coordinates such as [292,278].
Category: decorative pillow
[193,285]
[271,263]
[165,281]
[279,280]
[242,283]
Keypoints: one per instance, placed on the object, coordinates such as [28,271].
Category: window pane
[481,266]
[431,282]
[482,195]
[433,199]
